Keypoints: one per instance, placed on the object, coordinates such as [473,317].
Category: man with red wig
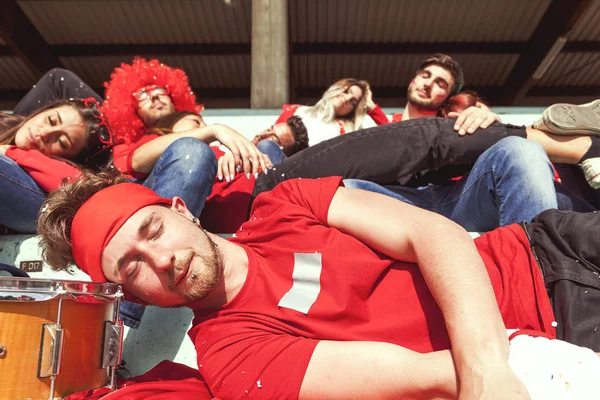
[143,98]
[176,161]
[331,292]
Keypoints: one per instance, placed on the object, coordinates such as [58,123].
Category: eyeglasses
[103,130]
[148,92]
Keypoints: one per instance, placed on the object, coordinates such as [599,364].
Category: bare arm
[244,152]
[453,270]
[375,370]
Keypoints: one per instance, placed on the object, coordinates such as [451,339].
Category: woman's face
[345,103]
[57,131]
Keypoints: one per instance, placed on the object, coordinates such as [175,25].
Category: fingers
[267,161]
[473,124]
[459,124]
[487,122]
[226,168]
[471,119]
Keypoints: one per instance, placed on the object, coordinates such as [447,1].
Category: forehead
[67,112]
[280,127]
[355,90]
[438,71]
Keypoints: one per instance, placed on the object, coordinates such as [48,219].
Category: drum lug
[113,344]
[2,351]
[50,350]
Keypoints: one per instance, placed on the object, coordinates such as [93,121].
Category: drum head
[8,271]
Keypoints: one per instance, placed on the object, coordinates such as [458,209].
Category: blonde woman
[340,110]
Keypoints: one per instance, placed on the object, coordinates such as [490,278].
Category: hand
[3,148]
[499,383]
[265,135]
[244,152]
[227,166]
[473,118]
[369,103]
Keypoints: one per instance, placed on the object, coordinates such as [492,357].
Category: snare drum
[57,337]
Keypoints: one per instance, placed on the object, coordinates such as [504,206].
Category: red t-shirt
[47,172]
[226,207]
[307,282]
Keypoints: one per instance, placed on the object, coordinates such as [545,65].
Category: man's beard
[423,104]
[201,283]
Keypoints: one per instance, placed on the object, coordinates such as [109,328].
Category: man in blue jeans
[509,183]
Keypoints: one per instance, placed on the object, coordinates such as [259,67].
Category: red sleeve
[288,111]
[314,195]
[378,116]
[123,153]
[397,117]
[48,172]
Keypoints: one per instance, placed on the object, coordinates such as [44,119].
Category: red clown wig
[120,106]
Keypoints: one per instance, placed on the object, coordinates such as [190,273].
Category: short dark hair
[299,132]
[446,62]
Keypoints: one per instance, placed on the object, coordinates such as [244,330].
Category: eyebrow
[143,228]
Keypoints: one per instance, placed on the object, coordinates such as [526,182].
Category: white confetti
[258,385]
[187,157]
[44,208]
[554,324]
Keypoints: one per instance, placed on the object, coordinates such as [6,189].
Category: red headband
[99,219]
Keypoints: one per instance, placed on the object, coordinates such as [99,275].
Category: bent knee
[521,147]
[193,151]
[266,145]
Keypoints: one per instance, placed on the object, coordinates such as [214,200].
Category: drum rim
[59,286]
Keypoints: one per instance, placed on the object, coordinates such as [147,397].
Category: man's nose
[163,259]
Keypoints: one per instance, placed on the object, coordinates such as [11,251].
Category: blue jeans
[510,182]
[20,197]
[187,168]
[271,149]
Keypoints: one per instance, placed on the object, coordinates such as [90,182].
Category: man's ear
[178,205]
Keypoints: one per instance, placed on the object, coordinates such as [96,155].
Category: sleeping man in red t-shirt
[331,292]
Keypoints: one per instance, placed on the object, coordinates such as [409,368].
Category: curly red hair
[120,107]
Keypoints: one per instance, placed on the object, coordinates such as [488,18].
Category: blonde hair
[324,111]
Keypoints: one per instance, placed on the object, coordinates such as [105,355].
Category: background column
[270,54]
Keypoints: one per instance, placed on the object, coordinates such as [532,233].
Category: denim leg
[187,168]
[20,197]
[511,182]
[271,149]
[418,197]
[387,154]
[131,313]
[56,84]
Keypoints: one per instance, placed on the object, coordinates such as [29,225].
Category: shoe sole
[571,119]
